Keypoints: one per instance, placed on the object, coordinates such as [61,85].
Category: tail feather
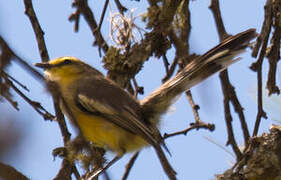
[215,60]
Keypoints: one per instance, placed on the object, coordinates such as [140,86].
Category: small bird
[111,118]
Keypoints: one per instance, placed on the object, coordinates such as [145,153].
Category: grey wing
[102,97]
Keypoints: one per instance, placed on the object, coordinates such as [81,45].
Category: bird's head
[63,68]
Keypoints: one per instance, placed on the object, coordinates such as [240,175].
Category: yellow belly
[102,132]
[108,135]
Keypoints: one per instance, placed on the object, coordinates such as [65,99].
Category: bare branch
[130,165]
[83,8]
[196,125]
[228,89]
[29,11]
[36,105]
[257,66]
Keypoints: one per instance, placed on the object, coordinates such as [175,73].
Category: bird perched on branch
[111,118]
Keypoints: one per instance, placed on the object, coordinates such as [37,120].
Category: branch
[83,8]
[195,107]
[67,167]
[257,66]
[29,11]
[228,89]
[36,105]
[228,118]
[102,15]
[196,125]
[130,165]
[272,18]
[9,172]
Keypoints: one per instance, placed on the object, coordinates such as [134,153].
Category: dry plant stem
[29,11]
[9,173]
[228,89]
[196,125]
[130,165]
[84,9]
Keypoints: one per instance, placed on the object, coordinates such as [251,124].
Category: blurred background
[27,141]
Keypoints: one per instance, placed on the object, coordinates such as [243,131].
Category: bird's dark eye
[67,61]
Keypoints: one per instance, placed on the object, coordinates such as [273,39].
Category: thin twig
[166,63]
[102,14]
[171,70]
[130,165]
[10,53]
[83,8]
[16,81]
[196,125]
[195,107]
[36,105]
[29,11]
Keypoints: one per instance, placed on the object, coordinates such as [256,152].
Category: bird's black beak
[43,65]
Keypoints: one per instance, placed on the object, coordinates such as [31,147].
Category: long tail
[215,60]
